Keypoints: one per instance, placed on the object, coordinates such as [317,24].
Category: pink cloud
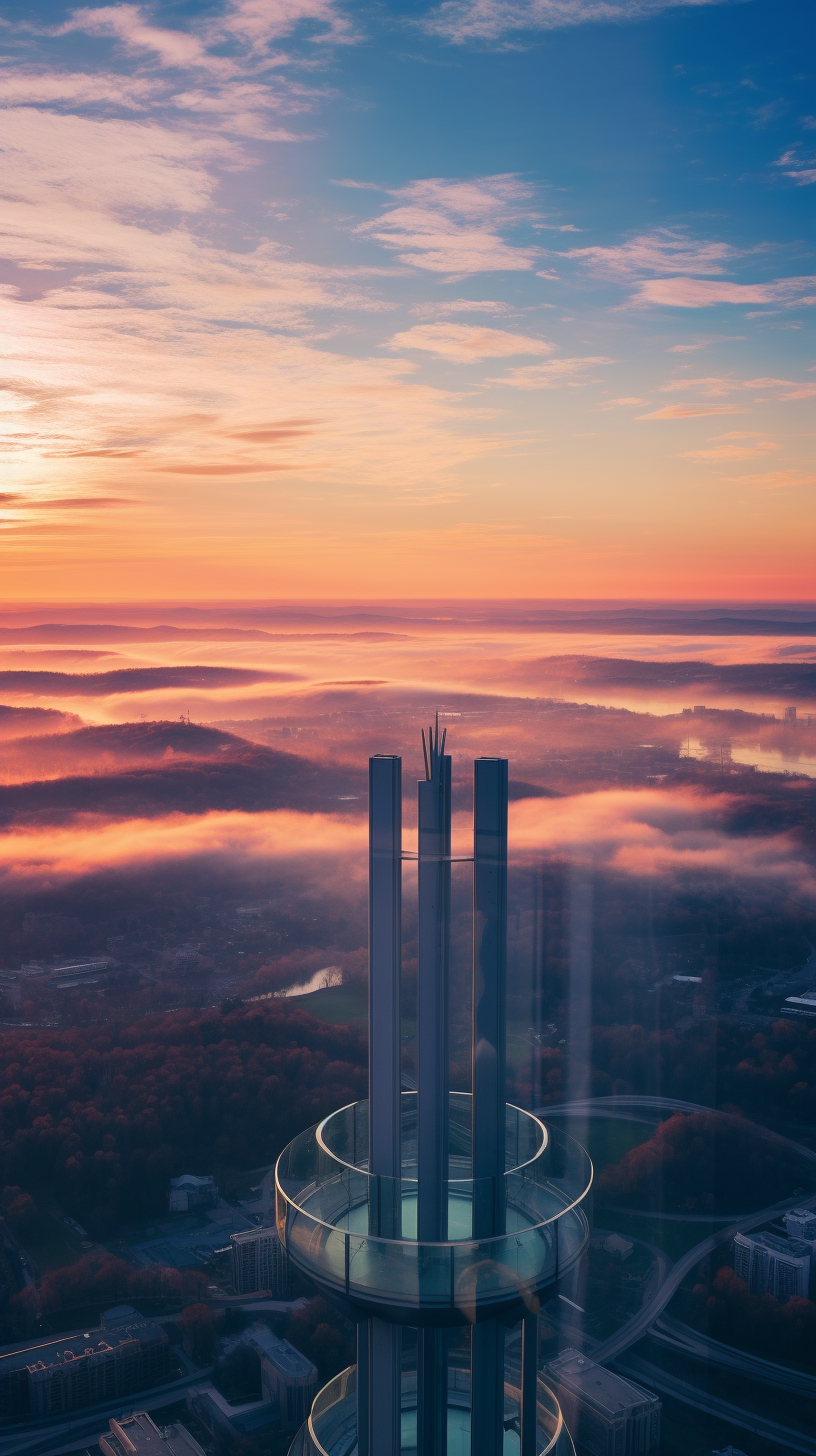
[690,411]
[461,21]
[450,226]
[775,479]
[704,292]
[714,385]
[174,48]
[653,832]
[553,374]
[441,308]
[64,854]
[735,445]
[666,250]
[37,87]
[633,831]
[462,343]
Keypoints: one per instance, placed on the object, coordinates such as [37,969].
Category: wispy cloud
[454,227]
[735,445]
[179,49]
[666,250]
[253,23]
[803,171]
[461,21]
[717,385]
[462,343]
[440,309]
[645,832]
[775,479]
[661,263]
[638,832]
[554,373]
[247,837]
[690,411]
[35,86]
[705,292]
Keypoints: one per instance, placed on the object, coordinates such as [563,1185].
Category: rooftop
[137,1435]
[609,1393]
[121,1314]
[77,1344]
[249,1235]
[786,1248]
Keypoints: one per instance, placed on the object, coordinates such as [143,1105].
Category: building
[121,1314]
[800,1223]
[801,1005]
[138,1435]
[189,1193]
[614,1244]
[228,1424]
[79,1369]
[790,714]
[260,1262]
[606,1415]
[770,1265]
[288,1378]
[192,1242]
[399,1208]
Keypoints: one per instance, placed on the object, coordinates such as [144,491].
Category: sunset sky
[481,298]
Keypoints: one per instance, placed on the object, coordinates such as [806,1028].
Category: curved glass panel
[328,1211]
[331,1429]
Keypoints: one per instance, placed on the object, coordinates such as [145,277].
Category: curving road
[687,1341]
[47,1435]
[714,1405]
[635,1328]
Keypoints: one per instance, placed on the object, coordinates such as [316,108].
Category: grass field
[54,1245]
[675,1236]
[338,1005]
[606,1139]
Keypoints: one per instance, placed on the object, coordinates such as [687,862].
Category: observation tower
[435,1219]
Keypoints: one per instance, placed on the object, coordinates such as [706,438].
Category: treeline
[758,1323]
[705,1162]
[770,1076]
[101,1121]
[98,1279]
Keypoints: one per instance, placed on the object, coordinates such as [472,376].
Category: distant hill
[133,680]
[100,745]
[14,721]
[779,678]
[244,776]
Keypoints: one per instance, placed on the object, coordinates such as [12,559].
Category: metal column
[489,1092]
[433,842]
[434,876]
[379,1394]
[529,1384]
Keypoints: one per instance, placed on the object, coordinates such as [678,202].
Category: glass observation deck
[330,1208]
[331,1429]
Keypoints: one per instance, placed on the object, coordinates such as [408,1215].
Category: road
[46,1437]
[724,1410]
[680,1337]
[635,1328]
[262,1306]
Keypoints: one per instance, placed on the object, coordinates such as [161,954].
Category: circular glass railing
[331,1429]
[354,1232]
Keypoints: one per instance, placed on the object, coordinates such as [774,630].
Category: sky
[487,298]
